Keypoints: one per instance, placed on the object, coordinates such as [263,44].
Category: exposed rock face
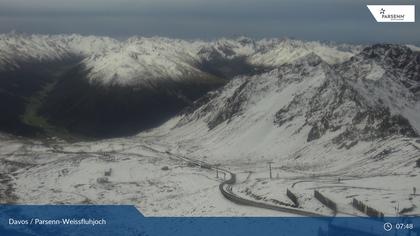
[369,98]
[114,88]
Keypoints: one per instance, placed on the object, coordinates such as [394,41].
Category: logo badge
[393,13]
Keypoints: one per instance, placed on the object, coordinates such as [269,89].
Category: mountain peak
[310,59]
[397,55]
[383,49]
[306,103]
[158,57]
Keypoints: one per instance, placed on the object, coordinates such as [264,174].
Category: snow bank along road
[226,190]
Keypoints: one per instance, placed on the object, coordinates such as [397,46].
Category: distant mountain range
[144,61]
[74,86]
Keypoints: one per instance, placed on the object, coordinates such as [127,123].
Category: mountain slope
[308,111]
[387,76]
[111,61]
[276,52]
[82,100]
[101,87]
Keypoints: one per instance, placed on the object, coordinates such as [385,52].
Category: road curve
[225,187]
[226,190]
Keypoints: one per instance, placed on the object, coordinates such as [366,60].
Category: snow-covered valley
[143,173]
[341,120]
[113,172]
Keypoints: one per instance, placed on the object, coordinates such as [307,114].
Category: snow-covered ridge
[139,59]
[279,52]
[311,110]
[15,48]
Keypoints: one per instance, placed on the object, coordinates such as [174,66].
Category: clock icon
[388,227]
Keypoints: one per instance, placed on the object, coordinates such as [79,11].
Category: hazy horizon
[322,20]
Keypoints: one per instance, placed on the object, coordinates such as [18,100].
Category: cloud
[308,19]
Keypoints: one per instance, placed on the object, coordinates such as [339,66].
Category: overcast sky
[332,20]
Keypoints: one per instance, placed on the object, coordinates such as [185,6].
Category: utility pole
[216,166]
[269,166]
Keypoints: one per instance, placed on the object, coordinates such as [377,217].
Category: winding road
[225,187]
[226,190]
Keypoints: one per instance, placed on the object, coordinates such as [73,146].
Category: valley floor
[151,176]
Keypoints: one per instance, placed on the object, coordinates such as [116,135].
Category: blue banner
[127,220]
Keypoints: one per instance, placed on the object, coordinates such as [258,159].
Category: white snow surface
[140,60]
[241,126]
[347,130]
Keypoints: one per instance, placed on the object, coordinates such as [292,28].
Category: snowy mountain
[276,52]
[144,61]
[151,79]
[387,76]
[349,130]
[14,49]
[94,86]
[137,58]
[99,86]
[362,109]
[19,48]
[341,119]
